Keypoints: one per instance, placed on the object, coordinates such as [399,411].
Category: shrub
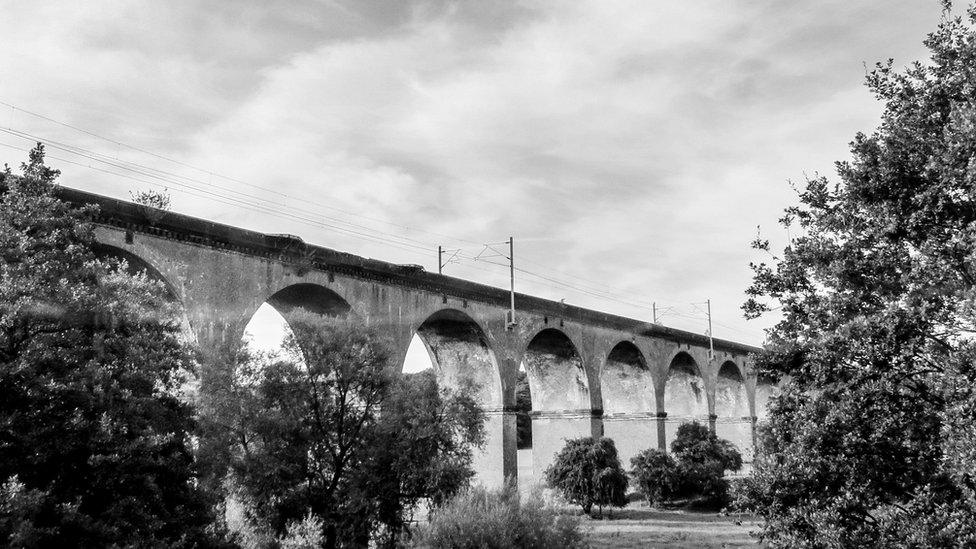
[483,519]
[587,471]
[702,460]
[656,475]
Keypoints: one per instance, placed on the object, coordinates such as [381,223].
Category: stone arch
[561,408]
[731,399]
[685,395]
[767,389]
[137,265]
[293,300]
[626,382]
[313,298]
[556,374]
[461,353]
[733,421]
[459,350]
[629,403]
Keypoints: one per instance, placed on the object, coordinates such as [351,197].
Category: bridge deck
[130,216]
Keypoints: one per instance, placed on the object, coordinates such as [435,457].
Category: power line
[234,197]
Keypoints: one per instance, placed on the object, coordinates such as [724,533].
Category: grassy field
[645,527]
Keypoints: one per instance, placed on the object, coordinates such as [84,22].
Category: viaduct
[590,373]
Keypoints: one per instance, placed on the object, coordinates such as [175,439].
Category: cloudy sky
[631,148]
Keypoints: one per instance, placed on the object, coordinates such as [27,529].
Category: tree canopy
[872,442]
[95,446]
[328,428]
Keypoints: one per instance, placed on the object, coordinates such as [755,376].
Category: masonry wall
[586,379]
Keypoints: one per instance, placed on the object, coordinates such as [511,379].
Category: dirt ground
[650,528]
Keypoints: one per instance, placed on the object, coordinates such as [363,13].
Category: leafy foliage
[94,431]
[327,429]
[702,461]
[498,519]
[694,469]
[655,474]
[154,204]
[588,472]
[872,442]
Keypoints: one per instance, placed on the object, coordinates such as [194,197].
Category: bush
[483,519]
[656,475]
[587,471]
[702,460]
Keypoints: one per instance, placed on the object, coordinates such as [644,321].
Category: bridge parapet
[590,372]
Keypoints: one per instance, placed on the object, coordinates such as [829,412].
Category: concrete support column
[496,460]
[632,433]
[662,433]
[741,432]
[551,430]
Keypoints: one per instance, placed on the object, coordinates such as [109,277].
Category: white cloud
[633,143]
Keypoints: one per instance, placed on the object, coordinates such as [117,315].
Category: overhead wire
[224,177]
[234,197]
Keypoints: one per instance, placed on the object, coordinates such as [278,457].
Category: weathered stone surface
[591,373]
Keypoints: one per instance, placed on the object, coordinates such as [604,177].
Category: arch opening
[268,327]
[629,403]
[730,392]
[732,416]
[560,401]
[135,265]
[684,389]
[626,382]
[460,355]
[555,371]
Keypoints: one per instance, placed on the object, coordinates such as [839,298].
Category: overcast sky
[629,147]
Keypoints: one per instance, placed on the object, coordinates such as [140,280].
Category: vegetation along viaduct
[590,373]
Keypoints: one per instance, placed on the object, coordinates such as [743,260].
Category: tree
[588,472]
[872,441]
[655,474]
[702,460]
[694,469]
[94,430]
[326,429]
[421,449]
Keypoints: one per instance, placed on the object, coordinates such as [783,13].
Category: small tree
[588,472]
[703,459]
[154,204]
[329,429]
[655,474]
[421,449]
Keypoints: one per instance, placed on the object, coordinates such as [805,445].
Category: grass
[641,526]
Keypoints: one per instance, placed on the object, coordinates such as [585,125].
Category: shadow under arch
[299,302]
[312,298]
[555,371]
[684,389]
[560,398]
[625,382]
[733,421]
[461,354]
[134,265]
[731,399]
[629,403]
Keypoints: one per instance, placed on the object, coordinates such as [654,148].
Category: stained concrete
[584,383]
